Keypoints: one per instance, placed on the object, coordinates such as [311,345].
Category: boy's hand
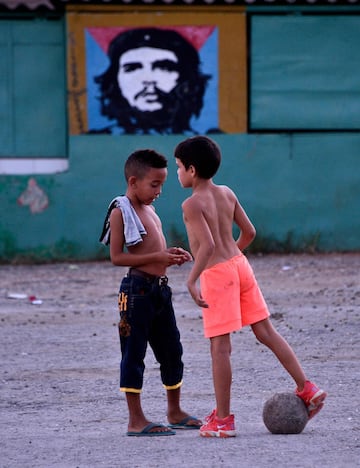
[196,295]
[182,255]
[171,257]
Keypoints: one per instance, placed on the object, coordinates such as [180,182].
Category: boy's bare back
[210,212]
[209,215]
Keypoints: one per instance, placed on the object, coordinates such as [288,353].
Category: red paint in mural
[196,35]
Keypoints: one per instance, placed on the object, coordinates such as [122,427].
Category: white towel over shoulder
[133,227]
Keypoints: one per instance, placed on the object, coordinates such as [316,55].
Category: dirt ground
[60,404]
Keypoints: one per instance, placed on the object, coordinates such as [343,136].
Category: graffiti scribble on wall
[34,197]
[151,80]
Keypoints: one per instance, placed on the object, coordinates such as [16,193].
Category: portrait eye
[130,67]
[166,65]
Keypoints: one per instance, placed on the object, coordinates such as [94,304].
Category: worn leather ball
[285,413]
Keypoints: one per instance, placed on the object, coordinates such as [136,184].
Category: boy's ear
[192,170]
[132,181]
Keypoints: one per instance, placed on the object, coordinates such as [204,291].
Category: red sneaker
[211,416]
[215,427]
[313,397]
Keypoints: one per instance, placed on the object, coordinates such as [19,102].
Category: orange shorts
[233,295]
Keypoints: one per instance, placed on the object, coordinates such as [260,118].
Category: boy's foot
[313,397]
[189,422]
[151,430]
[210,416]
[215,427]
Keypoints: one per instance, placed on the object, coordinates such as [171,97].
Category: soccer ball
[285,413]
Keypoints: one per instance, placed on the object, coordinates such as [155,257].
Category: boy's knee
[223,348]
[263,335]
[262,338]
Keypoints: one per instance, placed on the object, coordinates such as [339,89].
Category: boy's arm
[118,257]
[247,229]
[202,243]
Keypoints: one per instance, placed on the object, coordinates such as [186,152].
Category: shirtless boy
[229,295]
[136,239]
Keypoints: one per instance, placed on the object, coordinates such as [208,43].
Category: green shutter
[305,72]
[32,94]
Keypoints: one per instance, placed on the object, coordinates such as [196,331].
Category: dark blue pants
[147,316]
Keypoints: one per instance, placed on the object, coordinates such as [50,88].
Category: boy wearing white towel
[136,239]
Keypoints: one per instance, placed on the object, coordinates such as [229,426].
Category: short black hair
[201,152]
[140,161]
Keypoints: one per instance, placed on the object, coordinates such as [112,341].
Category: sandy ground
[60,404]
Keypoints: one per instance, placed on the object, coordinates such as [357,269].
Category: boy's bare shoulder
[193,204]
[116,215]
[226,190]
[187,201]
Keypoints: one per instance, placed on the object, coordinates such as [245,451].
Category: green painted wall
[305,186]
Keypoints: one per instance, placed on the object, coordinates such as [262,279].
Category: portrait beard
[178,107]
[171,118]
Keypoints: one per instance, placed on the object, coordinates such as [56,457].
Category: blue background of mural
[97,62]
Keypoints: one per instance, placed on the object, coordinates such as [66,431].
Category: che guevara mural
[152,80]
[146,80]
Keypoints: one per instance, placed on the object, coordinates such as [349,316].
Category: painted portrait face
[144,74]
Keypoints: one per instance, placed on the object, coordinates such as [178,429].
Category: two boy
[228,295]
